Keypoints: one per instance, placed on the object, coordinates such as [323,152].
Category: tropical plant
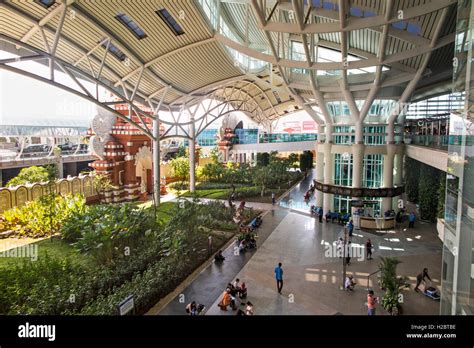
[213,171]
[102,184]
[33,174]
[306,161]
[181,151]
[412,177]
[180,168]
[392,284]
[263,159]
[442,195]
[428,189]
[293,161]
[105,231]
[44,216]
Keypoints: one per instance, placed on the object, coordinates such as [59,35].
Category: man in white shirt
[349,283]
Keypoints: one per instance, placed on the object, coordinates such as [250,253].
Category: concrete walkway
[211,282]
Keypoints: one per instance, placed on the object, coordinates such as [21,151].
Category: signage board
[126,306]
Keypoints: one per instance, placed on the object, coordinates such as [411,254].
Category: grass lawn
[224,194]
[56,248]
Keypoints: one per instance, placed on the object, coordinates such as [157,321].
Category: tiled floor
[312,277]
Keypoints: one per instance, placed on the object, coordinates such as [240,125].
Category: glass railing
[285,138]
[435,141]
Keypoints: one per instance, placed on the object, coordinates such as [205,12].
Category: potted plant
[392,284]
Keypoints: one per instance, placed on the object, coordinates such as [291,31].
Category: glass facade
[342,203]
[245,136]
[374,135]
[372,171]
[285,137]
[343,165]
[457,280]
[207,137]
[343,135]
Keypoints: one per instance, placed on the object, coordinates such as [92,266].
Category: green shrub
[428,192]
[104,231]
[179,186]
[44,216]
[442,195]
[158,261]
[33,174]
[157,281]
[412,177]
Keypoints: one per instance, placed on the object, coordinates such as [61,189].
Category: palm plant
[392,284]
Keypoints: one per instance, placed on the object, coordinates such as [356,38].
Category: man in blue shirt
[350,228]
[279,277]
[411,220]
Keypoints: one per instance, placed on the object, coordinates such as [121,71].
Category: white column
[328,199]
[359,132]
[192,155]
[390,133]
[388,175]
[357,165]
[156,160]
[398,174]
[60,167]
[319,173]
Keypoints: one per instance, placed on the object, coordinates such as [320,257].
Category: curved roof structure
[280,56]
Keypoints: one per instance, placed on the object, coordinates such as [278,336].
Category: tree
[180,168]
[273,156]
[213,171]
[181,151]
[306,161]
[293,160]
[262,177]
[214,154]
[263,159]
[32,175]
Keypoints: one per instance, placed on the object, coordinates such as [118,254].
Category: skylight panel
[46,3]
[170,21]
[131,25]
[114,50]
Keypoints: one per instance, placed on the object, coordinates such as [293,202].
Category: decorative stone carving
[102,125]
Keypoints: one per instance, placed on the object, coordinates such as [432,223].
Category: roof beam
[412,84]
[358,23]
[358,64]
[299,100]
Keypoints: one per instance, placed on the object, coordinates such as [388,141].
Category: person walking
[350,228]
[273,198]
[422,278]
[371,303]
[279,277]
[368,247]
[411,220]
[349,253]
